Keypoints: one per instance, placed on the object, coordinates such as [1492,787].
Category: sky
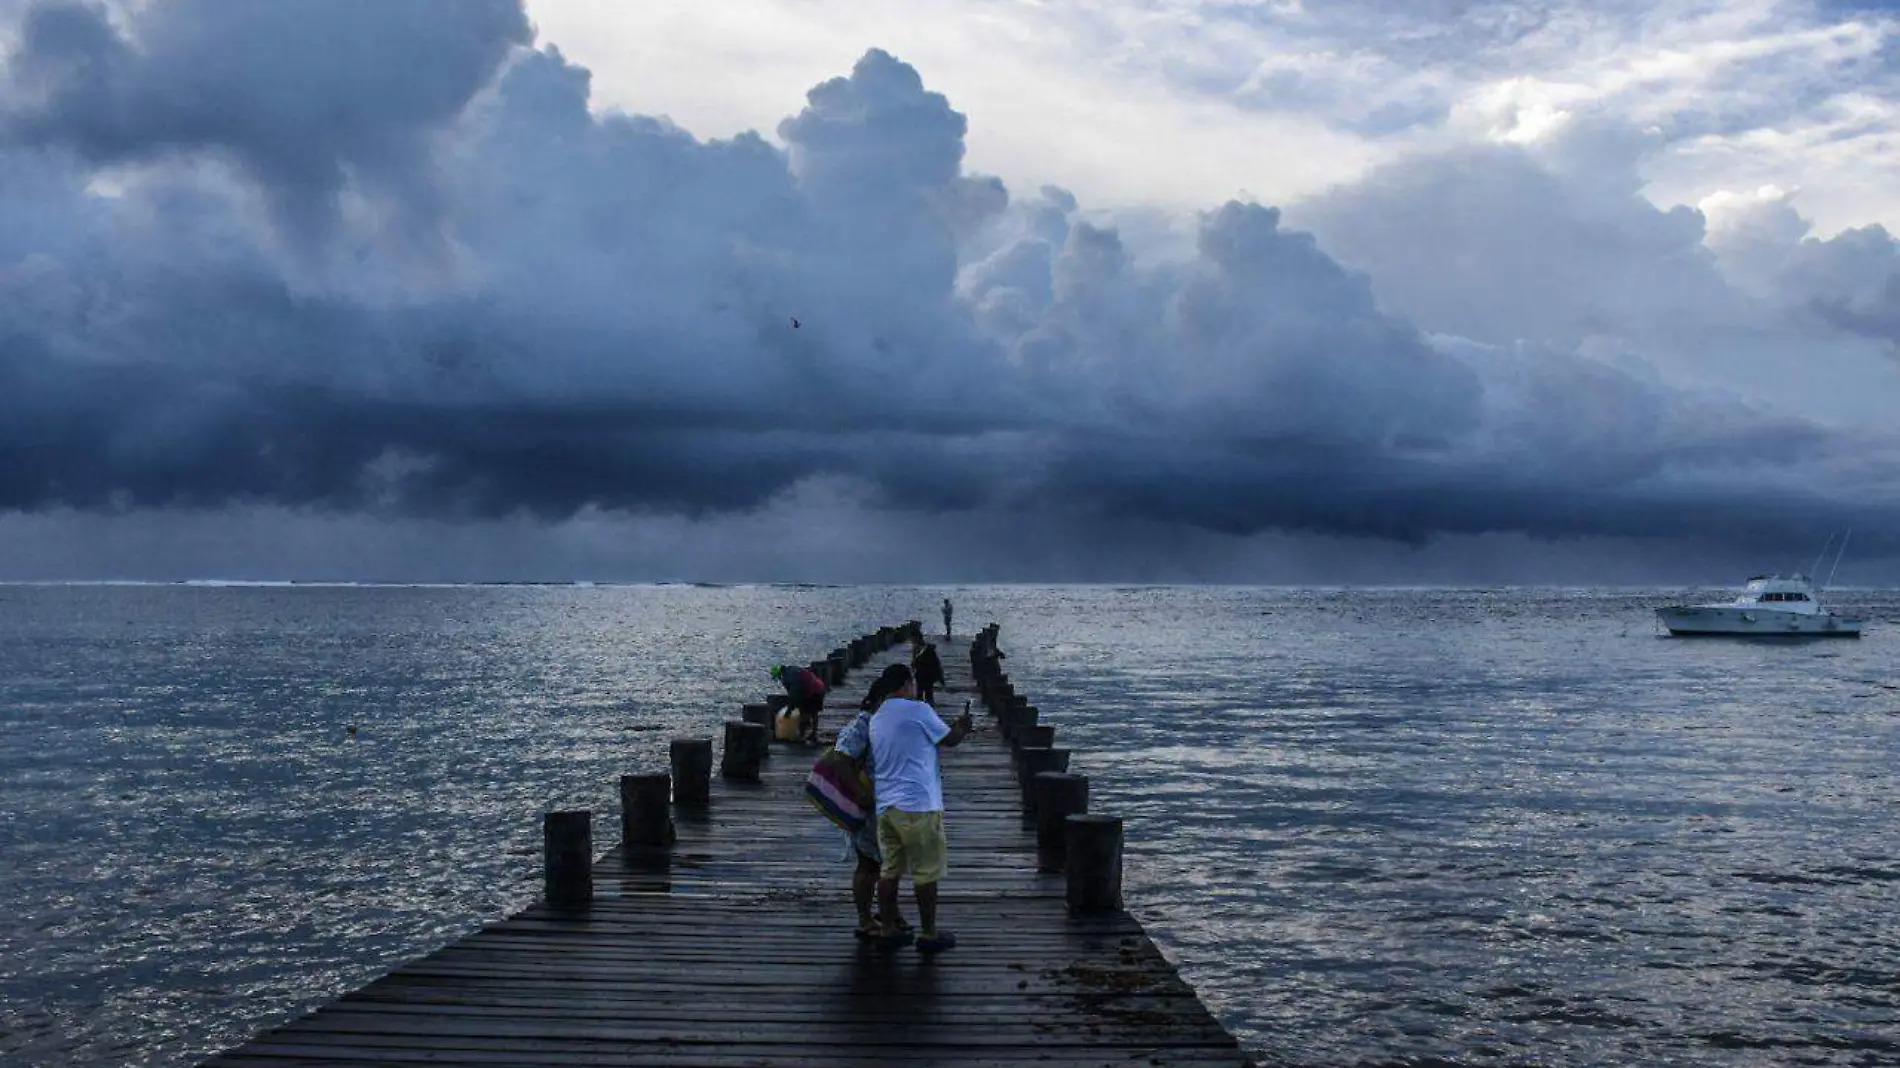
[1469,291]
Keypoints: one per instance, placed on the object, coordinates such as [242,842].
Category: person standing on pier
[905,737]
[946,619]
[854,741]
[806,693]
[928,670]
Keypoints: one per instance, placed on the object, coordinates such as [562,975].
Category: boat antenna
[1837,558]
[1815,571]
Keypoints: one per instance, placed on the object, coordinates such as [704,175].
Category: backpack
[839,787]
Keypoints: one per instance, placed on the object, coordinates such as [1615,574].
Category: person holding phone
[906,735]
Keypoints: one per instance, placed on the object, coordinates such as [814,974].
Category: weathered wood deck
[736,948]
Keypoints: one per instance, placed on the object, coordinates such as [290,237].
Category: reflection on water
[1373,826]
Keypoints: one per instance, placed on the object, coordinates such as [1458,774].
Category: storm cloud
[384,261]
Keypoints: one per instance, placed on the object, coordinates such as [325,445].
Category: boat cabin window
[1784,596]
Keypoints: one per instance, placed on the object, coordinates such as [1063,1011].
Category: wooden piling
[1058,795]
[1034,736]
[1092,864]
[692,760]
[763,716]
[1031,762]
[646,810]
[567,853]
[745,745]
[1016,718]
[999,696]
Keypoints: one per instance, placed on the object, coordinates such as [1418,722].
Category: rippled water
[1373,826]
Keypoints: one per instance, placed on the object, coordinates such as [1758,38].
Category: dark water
[1373,826]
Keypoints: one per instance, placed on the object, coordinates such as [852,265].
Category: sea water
[1372,826]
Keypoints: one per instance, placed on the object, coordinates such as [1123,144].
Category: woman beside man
[897,738]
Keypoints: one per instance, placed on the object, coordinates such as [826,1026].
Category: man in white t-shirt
[905,737]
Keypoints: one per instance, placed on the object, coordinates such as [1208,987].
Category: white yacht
[1769,606]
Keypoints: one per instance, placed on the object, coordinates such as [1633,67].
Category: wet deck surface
[737,949]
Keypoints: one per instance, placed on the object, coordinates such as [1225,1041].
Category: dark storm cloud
[603,319]
[307,94]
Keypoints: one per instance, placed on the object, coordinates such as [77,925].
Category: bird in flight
[794,322]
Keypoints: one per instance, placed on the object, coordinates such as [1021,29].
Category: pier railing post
[1032,762]
[1058,796]
[567,849]
[1033,736]
[764,716]
[1093,864]
[646,810]
[692,770]
[998,695]
[1016,718]
[745,743]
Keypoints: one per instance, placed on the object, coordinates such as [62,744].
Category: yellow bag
[785,728]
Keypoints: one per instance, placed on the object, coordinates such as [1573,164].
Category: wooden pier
[734,945]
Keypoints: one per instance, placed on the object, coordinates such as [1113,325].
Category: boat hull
[1716,621]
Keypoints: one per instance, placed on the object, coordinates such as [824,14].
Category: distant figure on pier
[806,694]
[946,618]
[854,741]
[927,668]
[905,735]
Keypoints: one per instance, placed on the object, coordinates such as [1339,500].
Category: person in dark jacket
[806,695]
[927,669]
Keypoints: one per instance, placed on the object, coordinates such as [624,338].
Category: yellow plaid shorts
[913,844]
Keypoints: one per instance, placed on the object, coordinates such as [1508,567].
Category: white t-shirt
[904,737]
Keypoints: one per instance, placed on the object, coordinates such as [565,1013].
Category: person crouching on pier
[806,694]
[854,741]
[905,737]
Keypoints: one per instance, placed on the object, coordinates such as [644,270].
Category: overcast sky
[1383,291]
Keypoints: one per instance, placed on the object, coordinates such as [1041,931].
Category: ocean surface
[1373,826]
